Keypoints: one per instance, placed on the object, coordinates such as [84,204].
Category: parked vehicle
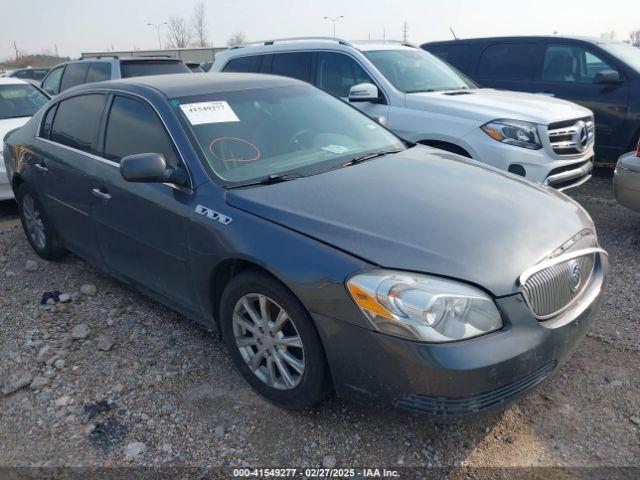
[98,69]
[424,100]
[33,74]
[626,180]
[267,208]
[601,75]
[19,100]
[195,67]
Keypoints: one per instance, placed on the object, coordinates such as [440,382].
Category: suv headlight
[422,307]
[514,132]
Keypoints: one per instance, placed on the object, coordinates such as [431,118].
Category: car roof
[594,40]
[12,81]
[187,85]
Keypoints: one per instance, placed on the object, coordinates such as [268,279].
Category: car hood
[8,124]
[428,211]
[485,104]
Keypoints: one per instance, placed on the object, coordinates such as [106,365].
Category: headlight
[422,307]
[514,132]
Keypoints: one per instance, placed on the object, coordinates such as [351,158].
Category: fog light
[517,169]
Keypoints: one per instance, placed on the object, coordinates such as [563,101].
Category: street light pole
[157,27]
[334,20]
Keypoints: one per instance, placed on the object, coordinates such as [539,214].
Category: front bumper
[626,186]
[453,379]
[539,166]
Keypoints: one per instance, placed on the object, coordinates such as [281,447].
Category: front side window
[570,63]
[251,134]
[77,122]
[98,72]
[51,84]
[74,74]
[508,61]
[243,64]
[134,127]
[336,73]
[21,100]
[294,65]
[414,71]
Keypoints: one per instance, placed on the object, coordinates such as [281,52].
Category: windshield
[628,54]
[413,71]
[253,134]
[20,100]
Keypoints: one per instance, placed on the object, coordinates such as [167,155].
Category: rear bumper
[454,379]
[626,186]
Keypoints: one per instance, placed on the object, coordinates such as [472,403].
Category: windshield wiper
[369,156]
[274,178]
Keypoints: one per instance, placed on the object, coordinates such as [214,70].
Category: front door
[568,72]
[141,227]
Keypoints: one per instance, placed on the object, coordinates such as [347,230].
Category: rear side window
[336,73]
[74,74]
[455,55]
[98,72]
[77,122]
[134,127]
[295,65]
[51,84]
[243,64]
[508,61]
[142,68]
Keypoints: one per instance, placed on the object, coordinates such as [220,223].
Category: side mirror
[363,92]
[604,77]
[150,168]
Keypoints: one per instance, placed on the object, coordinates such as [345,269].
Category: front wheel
[39,230]
[273,341]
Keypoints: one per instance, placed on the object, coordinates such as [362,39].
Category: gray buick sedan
[331,255]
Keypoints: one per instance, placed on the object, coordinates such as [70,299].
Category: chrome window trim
[102,159]
[527,274]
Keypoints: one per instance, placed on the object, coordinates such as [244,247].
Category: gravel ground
[113,378]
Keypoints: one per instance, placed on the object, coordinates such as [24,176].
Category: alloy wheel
[268,341]
[33,221]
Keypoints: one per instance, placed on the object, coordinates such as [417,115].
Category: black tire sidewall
[53,248]
[315,383]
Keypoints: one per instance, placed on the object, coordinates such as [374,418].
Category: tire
[47,244]
[310,386]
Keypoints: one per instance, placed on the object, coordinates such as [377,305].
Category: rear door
[509,66]
[65,166]
[568,72]
[141,227]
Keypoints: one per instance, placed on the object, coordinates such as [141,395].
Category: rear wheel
[40,232]
[273,341]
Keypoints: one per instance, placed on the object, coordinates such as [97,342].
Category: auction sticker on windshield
[209,112]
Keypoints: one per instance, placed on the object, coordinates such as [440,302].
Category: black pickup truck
[604,76]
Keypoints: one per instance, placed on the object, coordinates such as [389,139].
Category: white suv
[425,100]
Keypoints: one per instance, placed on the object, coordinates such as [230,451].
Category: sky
[75,26]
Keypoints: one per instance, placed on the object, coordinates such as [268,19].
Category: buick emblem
[575,276]
[581,137]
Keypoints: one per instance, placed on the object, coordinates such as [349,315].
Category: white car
[19,100]
[425,100]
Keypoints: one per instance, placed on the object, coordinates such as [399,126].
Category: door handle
[100,194]
[40,167]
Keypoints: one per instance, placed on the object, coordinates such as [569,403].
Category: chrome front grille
[571,137]
[554,284]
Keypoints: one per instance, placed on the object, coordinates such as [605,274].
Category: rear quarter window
[144,68]
[243,64]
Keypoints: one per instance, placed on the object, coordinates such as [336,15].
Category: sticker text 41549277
[209,112]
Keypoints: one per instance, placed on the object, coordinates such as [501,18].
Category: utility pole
[334,20]
[55,48]
[384,35]
[158,27]
[404,32]
[15,46]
